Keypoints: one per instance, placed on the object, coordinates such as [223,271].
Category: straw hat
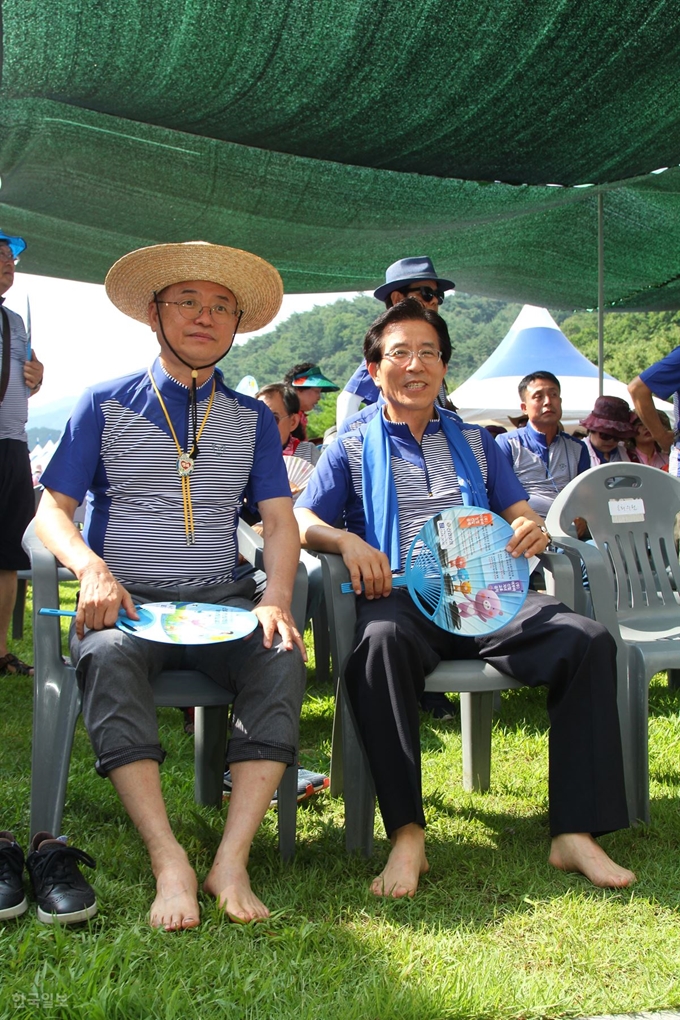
[256,285]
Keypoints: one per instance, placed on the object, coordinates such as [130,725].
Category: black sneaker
[13,902]
[62,893]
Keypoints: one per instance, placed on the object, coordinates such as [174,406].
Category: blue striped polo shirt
[117,448]
[424,476]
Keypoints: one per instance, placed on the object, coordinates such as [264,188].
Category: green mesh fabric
[335,136]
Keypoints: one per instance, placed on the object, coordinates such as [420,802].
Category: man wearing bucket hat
[412,277]
[20,378]
[608,424]
[167,456]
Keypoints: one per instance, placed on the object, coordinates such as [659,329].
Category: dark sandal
[14,667]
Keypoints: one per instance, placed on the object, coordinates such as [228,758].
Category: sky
[81,338]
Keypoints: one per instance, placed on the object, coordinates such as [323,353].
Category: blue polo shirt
[118,448]
[544,470]
[424,476]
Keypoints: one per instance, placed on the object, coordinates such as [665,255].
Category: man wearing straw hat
[167,456]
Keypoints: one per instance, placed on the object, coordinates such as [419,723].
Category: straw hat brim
[132,281]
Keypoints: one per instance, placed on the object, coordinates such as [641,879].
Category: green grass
[493,932]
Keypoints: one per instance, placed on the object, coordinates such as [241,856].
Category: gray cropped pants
[114,671]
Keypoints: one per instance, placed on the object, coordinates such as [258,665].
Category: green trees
[332,336]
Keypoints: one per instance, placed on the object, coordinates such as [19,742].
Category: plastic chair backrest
[630,510]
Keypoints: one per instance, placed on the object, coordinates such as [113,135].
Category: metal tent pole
[600,292]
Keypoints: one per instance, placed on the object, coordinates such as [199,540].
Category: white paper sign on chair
[624,511]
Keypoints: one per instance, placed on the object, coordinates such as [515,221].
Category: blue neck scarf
[381,510]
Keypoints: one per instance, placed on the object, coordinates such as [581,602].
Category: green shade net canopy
[335,137]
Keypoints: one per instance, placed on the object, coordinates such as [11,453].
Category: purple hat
[612,415]
[410,271]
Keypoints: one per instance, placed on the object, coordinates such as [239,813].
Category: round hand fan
[182,623]
[460,576]
[189,623]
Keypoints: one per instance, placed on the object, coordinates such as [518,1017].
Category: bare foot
[230,885]
[578,851]
[406,863]
[176,904]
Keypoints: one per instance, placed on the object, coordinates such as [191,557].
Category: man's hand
[366,564]
[528,539]
[101,596]
[33,373]
[275,620]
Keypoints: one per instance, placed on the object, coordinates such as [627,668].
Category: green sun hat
[315,378]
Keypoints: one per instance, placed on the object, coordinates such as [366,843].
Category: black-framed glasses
[7,255]
[426,293]
[607,437]
[190,308]
[403,357]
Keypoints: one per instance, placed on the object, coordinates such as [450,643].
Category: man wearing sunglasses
[411,277]
[20,378]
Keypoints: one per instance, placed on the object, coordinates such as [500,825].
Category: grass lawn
[493,932]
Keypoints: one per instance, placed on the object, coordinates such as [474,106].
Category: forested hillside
[332,336]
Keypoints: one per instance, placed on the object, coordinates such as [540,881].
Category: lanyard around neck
[185,463]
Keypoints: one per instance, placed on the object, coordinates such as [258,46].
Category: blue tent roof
[535,342]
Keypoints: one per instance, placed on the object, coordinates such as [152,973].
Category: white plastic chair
[634,580]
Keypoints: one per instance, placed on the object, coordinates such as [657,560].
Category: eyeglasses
[607,438]
[426,293]
[280,417]
[7,255]
[190,308]
[403,357]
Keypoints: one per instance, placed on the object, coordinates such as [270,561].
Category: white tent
[535,342]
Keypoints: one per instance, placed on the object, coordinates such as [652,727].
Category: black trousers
[545,644]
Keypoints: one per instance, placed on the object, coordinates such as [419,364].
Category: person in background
[643,449]
[21,377]
[284,403]
[609,424]
[310,385]
[411,277]
[543,456]
[663,379]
